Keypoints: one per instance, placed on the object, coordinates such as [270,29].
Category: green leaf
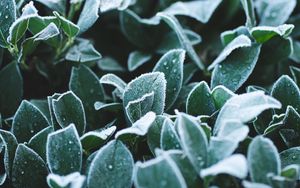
[239,42]
[144,84]
[193,141]
[263,158]
[221,95]
[230,35]
[54,122]
[146,174]
[184,41]
[137,59]
[64,152]
[28,121]
[143,33]
[28,164]
[171,64]
[70,29]
[281,182]
[235,165]
[7,17]
[109,64]
[277,12]
[200,100]
[72,180]
[186,168]
[85,84]
[83,52]
[107,5]
[154,133]
[11,87]
[49,32]
[236,69]
[96,138]
[138,108]
[287,92]
[114,80]
[296,74]
[66,115]
[89,15]
[202,11]
[233,130]
[169,139]
[38,142]
[10,144]
[43,106]
[59,6]
[290,156]
[245,107]
[111,167]
[170,41]
[139,128]
[250,13]
[291,171]
[264,33]
[20,26]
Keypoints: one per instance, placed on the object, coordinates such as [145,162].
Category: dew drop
[32,131]
[110,167]
[294,157]
[22,172]
[6,17]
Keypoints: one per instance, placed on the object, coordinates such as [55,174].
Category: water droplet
[6,7]
[70,142]
[6,17]
[22,172]
[165,63]
[177,146]
[32,131]
[174,61]
[199,158]
[174,70]
[110,167]
[294,157]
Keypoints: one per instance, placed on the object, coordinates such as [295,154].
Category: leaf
[89,15]
[143,33]
[221,95]
[112,79]
[184,41]
[11,87]
[38,142]
[137,59]
[247,184]
[59,6]
[85,84]
[146,176]
[10,144]
[277,13]
[28,121]
[20,26]
[109,64]
[230,35]
[171,64]
[169,139]
[200,100]
[154,133]
[96,138]
[235,165]
[28,164]
[139,128]
[239,42]
[291,171]
[54,122]
[236,69]
[189,174]
[64,152]
[83,52]
[74,180]
[264,33]
[250,12]
[170,41]
[43,106]
[233,130]
[245,107]
[7,17]
[70,29]
[193,141]
[66,115]
[111,167]
[263,158]
[202,11]
[138,108]
[147,83]
[287,92]
[290,156]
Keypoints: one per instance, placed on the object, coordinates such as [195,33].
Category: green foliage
[149,94]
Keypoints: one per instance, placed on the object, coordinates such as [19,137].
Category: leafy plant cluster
[149,93]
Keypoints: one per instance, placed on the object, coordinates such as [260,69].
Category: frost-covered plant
[185,94]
